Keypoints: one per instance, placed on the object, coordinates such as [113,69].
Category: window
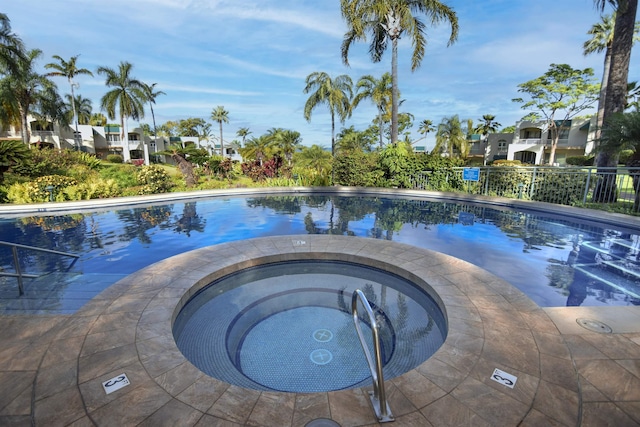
[502,146]
[113,137]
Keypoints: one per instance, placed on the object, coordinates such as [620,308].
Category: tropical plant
[424,128]
[314,157]
[450,137]
[335,93]
[69,70]
[98,119]
[616,90]
[379,91]
[12,153]
[558,95]
[24,91]
[127,97]
[285,142]
[11,47]
[83,108]
[258,149]
[350,139]
[486,126]
[151,96]
[389,20]
[220,115]
[243,133]
[154,179]
[181,156]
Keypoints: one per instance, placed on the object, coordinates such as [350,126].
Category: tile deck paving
[52,367]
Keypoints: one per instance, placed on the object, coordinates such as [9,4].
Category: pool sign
[504,378]
[471,174]
[115,383]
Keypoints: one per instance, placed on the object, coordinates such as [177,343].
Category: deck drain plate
[594,325]
[322,422]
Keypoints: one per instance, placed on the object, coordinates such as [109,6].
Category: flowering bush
[154,179]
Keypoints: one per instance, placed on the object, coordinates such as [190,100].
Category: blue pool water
[555,261]
[286,326]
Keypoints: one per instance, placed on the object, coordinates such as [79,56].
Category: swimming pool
[556,261]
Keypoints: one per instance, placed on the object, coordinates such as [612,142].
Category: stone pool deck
[52,367]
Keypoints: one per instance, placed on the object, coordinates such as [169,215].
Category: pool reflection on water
[555,261]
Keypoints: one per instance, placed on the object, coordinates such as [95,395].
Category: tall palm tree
[336,93]
[151,96]
[621,45]
[602,40]
[389,20]
[98,119]
[128,96]
[424,128]
[379,91]
[68,69]
[243,133]
[11,47]
[23,90]
[83,108]
[220,115]
[486,126]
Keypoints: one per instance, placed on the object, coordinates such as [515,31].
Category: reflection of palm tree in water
[578,287]
[189,220]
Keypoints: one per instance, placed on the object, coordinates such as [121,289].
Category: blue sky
[252,57]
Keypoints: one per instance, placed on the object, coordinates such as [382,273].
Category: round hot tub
[287,326]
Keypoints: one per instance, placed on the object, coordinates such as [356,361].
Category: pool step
[53,293]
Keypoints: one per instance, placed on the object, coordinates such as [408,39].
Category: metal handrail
[16,263]
[378,397]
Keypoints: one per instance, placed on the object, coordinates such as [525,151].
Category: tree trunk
[603,94]
[186,168]
[25,127]
[616,99]
[333,145]
[221,142]
[126,156]
[394,90]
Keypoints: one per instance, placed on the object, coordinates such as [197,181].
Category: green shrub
[36,191]
[356,168]
[124,175]
[580,160]
[625,156]
[154,179]
[507,181]
[506,163]
[560,187]
[95,189]
[115,158]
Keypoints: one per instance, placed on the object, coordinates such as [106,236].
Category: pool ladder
[377,396]
[19,275]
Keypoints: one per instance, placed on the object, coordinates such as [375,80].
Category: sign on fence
[471,174]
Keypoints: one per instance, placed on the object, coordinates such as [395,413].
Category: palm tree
[11,47]
[336,93]
[23,90]
[285,141]
[243,133]
[83,108]
[69,70]
[616,92]
[425,127]
[486,126]
[380,93]
[388,20]
[450,136]
[12,153]
[128,94]
[220,115]
[602,40]
[257,148]
[315,157]
[151,98]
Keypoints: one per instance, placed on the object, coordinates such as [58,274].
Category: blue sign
[471,174]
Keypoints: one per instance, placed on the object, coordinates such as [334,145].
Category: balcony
[529,141]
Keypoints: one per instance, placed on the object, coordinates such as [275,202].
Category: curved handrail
[19,274]
[378,398]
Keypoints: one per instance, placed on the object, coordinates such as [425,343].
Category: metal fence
[574,186]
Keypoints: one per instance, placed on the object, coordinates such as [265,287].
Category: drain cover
[322,422]
[594,326]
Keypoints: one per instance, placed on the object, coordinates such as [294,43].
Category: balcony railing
[529,141]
